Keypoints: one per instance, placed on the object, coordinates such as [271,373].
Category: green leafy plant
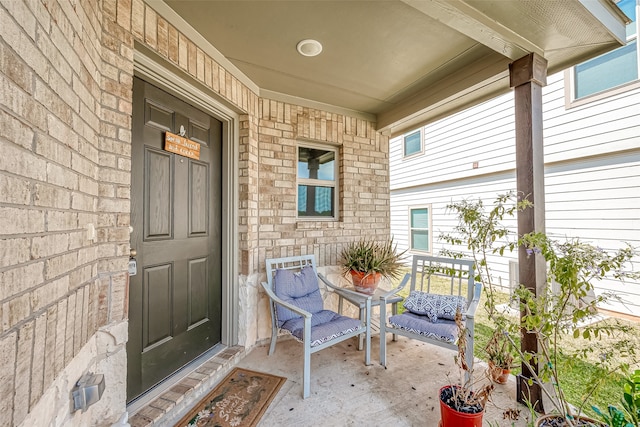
[370,257]
[567,308]
[629,416]
[481,231]
[614,417]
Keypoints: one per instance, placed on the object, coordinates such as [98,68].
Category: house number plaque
[181,145]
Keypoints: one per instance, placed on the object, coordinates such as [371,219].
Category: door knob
[133,253]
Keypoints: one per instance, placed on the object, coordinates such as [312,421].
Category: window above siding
[612,69]
[412,143]
[317,182]
[420,229]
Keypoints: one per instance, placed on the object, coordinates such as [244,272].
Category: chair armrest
[393,292]
[283,303]
[473,305]
[354,297]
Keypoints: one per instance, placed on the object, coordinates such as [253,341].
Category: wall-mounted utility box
[88,390]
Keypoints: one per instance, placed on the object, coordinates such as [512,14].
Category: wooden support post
[527,76]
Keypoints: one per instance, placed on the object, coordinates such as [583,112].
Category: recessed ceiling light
[309,47]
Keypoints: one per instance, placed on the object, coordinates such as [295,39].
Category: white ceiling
[400,63]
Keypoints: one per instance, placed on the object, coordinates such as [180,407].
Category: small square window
[317,196]
[413,143]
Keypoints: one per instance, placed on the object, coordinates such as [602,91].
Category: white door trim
[159,75]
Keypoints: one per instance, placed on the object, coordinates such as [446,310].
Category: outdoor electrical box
[88,390]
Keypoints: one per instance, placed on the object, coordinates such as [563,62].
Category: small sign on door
[181,145]
[133,267]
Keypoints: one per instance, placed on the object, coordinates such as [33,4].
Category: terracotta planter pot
[452,418]
[556,421]
[367,284]
[498,374]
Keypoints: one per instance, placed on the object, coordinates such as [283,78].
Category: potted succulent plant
[367,261]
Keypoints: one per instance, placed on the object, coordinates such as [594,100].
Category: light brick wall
[363,183]
[65,106]
[66,73]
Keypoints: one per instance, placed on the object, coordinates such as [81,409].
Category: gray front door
[175,297]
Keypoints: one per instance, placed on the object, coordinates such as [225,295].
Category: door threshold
[166,402]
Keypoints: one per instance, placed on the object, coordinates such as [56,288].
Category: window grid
[317,182]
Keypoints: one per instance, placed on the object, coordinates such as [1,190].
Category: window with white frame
[317,181]
[420,228]
[615,68]
[412,143]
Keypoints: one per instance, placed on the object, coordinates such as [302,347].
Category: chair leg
[383,346]
[274,338]
[383,334]
[394,311]
[361,336]
[306,370]
[367,350]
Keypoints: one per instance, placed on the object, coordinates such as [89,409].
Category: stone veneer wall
[66,71]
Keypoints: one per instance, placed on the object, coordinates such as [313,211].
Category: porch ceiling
[401,63]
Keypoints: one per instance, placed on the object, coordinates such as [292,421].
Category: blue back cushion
[435,306]
[300,289]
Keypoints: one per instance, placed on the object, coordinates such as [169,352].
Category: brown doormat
[239,400]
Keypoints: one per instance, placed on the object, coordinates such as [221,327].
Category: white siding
[452,144]
[439,196]
[592,174]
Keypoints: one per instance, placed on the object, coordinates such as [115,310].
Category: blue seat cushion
[442,330]
[325,326]
[298,288]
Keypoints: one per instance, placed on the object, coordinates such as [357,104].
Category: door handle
[132,253]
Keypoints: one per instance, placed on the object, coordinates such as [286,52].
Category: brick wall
[363,183]
[65,108]
[66,73]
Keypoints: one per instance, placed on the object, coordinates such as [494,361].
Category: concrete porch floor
[345,392]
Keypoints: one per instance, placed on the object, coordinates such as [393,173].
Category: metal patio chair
[297,308]
[429,313]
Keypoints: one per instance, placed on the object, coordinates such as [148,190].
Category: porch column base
[529,394]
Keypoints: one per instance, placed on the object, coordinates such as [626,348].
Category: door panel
[158,197]
[198,199]
[175,299]
[199,133]
[157,288]
[198,291]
